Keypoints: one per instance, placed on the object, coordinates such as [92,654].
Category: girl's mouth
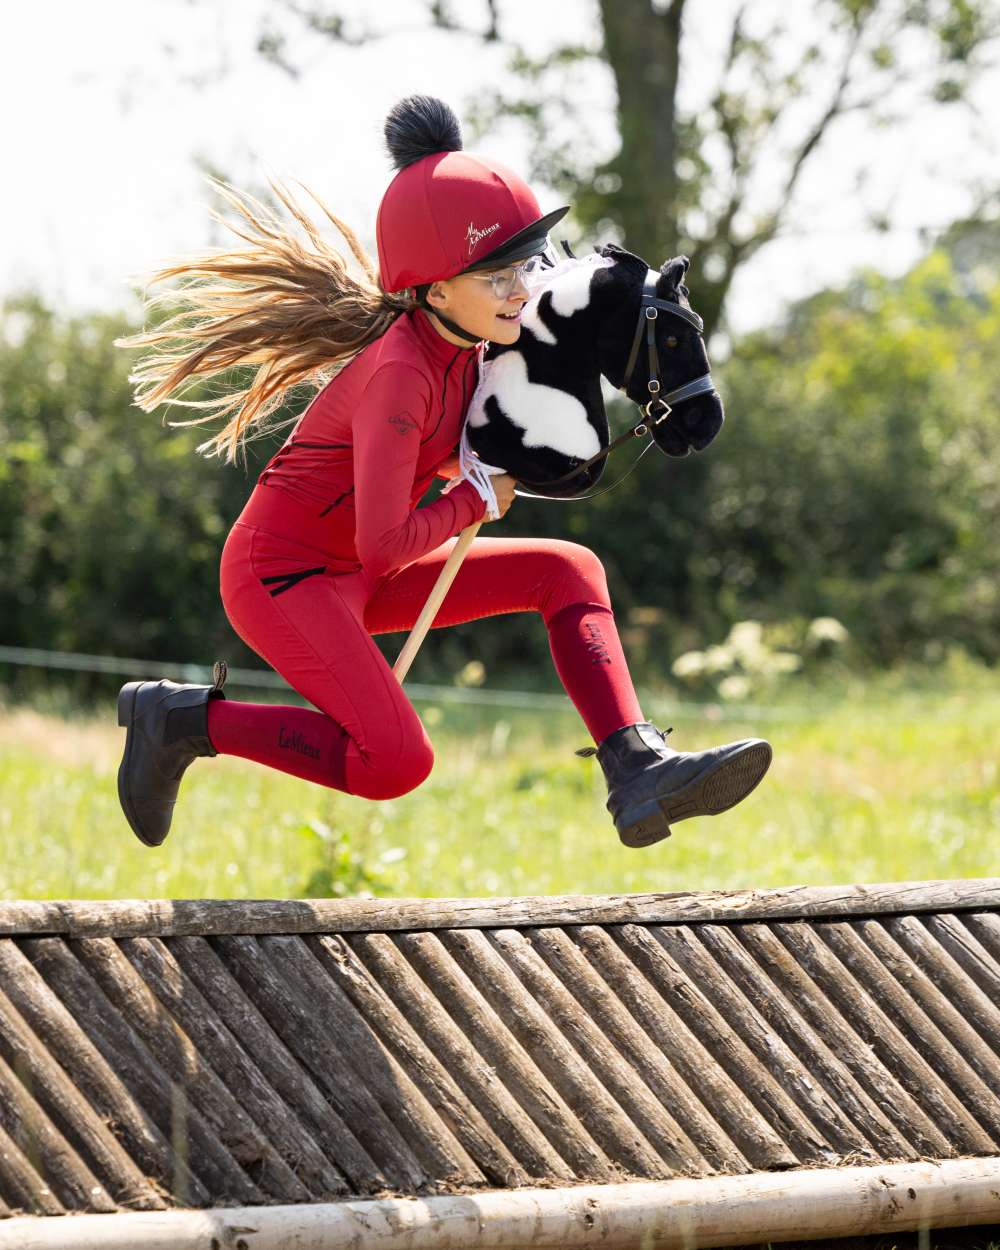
[510,316]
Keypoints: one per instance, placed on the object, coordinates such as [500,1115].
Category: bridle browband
[649,306]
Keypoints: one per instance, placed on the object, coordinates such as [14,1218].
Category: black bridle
[649,308]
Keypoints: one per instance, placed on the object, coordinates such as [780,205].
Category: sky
[108,106]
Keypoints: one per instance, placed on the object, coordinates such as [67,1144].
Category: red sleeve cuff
[468,502]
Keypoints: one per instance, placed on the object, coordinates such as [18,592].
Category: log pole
[209,917]
[681,1214]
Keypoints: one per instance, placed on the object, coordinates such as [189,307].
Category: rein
[649,306]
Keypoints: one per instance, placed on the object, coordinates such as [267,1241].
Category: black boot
[651,785]
[166,728]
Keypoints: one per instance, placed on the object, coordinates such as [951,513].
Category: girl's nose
[520,288]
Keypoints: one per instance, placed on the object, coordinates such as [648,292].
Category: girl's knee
[392,776]
[587,562]
[579,577]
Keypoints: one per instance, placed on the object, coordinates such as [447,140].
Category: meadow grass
[887,781]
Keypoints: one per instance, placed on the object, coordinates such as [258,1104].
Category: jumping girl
[331,547]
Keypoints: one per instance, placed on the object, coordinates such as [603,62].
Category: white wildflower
[718,659]
[690,664]
[827,629]
[734,687]
[746,637]
[785,662]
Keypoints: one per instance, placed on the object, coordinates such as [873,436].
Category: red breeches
[315,628]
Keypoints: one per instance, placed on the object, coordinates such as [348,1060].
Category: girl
[331,547]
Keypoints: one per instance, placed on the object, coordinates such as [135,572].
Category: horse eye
[671,341]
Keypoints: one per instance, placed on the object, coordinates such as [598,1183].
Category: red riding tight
[315,629]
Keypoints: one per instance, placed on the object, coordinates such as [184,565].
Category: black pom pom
[419,126]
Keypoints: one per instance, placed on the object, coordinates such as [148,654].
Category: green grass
[887,782]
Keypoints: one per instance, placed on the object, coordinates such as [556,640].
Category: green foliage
[341,871]
[110,525]
[858,476]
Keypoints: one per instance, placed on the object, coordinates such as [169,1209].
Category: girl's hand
[449,468]
[503,486]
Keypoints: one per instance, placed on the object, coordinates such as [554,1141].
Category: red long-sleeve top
[347,480]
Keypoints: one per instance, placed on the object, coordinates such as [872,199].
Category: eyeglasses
[503,281]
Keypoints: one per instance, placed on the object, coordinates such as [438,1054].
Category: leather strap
[451,325]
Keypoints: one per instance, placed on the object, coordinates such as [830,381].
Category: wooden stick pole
[434,601]
[683,1212]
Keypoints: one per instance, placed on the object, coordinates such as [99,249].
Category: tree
[110,526]
[863,482]
[681,180]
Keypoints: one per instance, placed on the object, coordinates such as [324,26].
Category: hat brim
[527,242]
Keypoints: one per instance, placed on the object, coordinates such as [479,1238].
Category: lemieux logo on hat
[475,236]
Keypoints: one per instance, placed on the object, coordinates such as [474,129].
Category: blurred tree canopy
[110,526]
[715,184]
[856,477]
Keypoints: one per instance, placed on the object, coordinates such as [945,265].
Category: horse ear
[675,269]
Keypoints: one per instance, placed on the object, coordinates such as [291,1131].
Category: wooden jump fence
[689,1065]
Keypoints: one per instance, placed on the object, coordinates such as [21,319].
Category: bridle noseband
[649,306]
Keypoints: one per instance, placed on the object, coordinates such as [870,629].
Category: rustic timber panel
[650,1038]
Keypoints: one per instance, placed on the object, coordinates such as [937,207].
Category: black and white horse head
[538,411]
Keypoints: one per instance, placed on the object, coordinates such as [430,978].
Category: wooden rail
[212,917]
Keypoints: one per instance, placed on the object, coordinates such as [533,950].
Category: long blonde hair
[295,313]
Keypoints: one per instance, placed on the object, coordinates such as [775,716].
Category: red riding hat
[448,212]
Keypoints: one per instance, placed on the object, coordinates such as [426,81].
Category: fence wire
[253,678]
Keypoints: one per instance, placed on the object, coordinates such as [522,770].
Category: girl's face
[469,300]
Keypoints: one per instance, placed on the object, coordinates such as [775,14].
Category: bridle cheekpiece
[649,306]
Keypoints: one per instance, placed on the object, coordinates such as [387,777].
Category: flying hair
[288,311]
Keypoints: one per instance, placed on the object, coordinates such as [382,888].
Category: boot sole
[715,790]
[126,718]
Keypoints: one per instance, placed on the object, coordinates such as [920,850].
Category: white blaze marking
[570,287]
[548,417]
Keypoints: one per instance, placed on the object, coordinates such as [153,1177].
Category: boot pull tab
[585,751]
[220,671]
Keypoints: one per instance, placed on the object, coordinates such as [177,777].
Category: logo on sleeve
[403,423]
